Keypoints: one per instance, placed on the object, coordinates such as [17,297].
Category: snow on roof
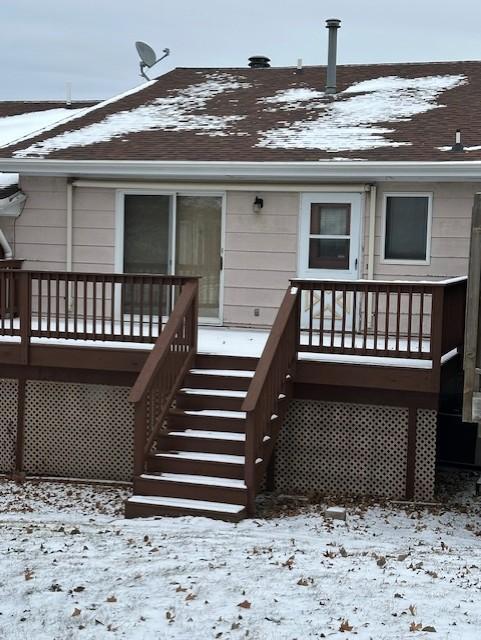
[391,112]
[174,113]
[16,127]
[348,123]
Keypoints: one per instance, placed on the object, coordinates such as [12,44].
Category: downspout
[7,249]
[68,265]
[371,242]
[372,231]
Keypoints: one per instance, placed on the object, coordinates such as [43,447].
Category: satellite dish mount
[148,57]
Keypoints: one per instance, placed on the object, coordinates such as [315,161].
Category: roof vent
[458,145]
[333,24]
[259,62]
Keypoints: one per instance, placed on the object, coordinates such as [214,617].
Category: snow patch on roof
[14,128]
[179,111]
[476,147]
[293,98]
[351,122]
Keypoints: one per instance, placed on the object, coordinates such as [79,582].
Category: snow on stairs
[198,465]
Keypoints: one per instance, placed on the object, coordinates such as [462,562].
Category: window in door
[329,236]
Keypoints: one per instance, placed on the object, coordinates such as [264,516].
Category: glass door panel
[146,248]
[198,247]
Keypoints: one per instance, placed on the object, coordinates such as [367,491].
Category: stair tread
[185,503]
[214,413]
[225,393]
[186,478]
[201,456]
[235,373]
[214,435]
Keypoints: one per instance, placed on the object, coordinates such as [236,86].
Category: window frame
[407,194]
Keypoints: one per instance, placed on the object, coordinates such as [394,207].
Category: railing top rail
[269,351]
[161,347]
[90,274]
[363,282]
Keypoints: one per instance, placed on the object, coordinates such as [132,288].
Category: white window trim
[407,194]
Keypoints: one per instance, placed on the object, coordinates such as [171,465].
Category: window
[407,228]
[329,237]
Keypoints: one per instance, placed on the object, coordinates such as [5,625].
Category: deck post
[25,313]
[19,473]
[250,464]
[437,313]
[140,437]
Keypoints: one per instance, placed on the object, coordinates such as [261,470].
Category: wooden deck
[360,342]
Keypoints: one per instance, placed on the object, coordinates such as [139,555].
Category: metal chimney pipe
[333,24]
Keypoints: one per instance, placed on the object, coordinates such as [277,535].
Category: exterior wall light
[257,205]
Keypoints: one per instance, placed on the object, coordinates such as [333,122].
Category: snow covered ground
[71,567]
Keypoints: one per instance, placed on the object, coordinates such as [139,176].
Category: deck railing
[86,306]
[267,389]
[163,372]
[413,320]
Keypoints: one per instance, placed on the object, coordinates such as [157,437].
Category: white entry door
[329,238]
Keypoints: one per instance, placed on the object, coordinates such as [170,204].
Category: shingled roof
[382,112]
[19,118]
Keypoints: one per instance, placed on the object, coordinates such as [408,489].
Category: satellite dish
[148,57]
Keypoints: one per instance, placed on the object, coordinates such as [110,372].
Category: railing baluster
[398,319]
[386,320]
[421,319]
[410,317]
[376,317]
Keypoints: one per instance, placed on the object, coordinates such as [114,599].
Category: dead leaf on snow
[28,574]
[415,627]
[76,612]
[345,626]
[245,604]
[429,628]
[111,599]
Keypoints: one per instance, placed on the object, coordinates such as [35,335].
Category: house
[321,213]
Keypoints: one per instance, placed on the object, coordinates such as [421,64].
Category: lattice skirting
[353,449]
[78,430]
[8,423]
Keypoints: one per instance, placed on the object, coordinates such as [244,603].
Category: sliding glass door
[176,234]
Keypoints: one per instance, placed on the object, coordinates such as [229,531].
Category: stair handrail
[163,372]
[275,366]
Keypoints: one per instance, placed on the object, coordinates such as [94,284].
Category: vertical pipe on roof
[333,25]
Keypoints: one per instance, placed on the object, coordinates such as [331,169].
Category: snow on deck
[231,341]
[356,119]
[72,568]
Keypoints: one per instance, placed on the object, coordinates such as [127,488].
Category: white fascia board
[252,171]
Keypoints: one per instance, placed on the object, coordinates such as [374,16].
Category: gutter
[252,171]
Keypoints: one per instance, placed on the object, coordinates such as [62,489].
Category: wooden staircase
[206,425]
[197,466]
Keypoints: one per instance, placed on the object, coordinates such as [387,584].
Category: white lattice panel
[425,454]
[78,430]
[338,448]
[8,423]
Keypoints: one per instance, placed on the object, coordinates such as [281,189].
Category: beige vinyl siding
[40,233]
[260,252]
[93,229]
[260,255]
